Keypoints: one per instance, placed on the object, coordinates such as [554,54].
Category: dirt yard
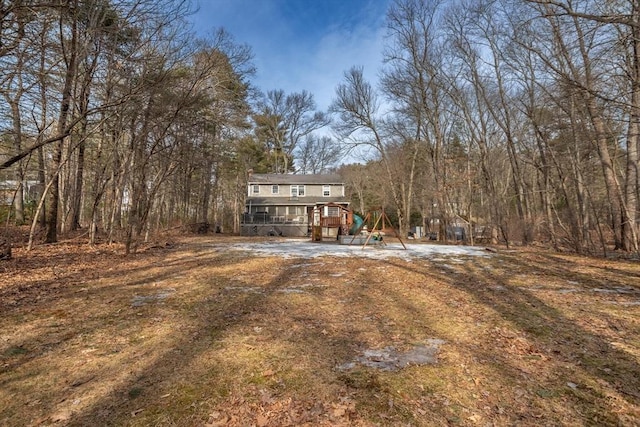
[199,332]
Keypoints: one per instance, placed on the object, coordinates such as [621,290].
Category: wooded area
[519,117]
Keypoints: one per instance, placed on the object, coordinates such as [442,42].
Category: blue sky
[301,44]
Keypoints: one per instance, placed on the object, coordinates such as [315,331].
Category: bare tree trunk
[42,88]
[71,53]
[88,69]
[98,188]
[632,176]
[582,76]
[18,202]
[77,196]
[546,189]
[614,195]
[206,191]
[42,181]
[40,206]
[239,200]
[65,185]
[502,115]
[52,211]
[12,89]
[138,184]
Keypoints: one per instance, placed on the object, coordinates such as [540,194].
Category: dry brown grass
[187,335]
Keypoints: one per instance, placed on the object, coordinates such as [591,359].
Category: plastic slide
[357,223]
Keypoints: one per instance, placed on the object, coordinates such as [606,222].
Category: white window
[332,211]
[297,190]
[326,190]
[255,189]
[275,189]
[296,210]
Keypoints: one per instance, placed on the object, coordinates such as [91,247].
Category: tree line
[117,119]
[520,118]
[516,116]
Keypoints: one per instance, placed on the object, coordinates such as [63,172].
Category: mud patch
[300,289]
[245,289]
[626,303]
[390,359]
[615,290]
[140,300]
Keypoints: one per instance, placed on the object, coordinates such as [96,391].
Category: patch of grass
[362,379]
[15,351]
[545,393]
[135,392]
[539,330]
[232,344]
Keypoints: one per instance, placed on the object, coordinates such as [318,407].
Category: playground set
[332,221]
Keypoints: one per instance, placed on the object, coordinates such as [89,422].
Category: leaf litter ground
[231,331]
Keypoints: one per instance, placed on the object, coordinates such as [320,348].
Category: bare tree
[413,80]
[361,124]
[574,55]
[318,154]
[283,121]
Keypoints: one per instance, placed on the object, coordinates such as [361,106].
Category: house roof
[288,201]
[288,179]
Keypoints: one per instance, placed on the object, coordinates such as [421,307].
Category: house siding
[267,213]
[311,190]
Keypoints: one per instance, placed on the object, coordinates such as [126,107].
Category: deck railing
[265,218]
[331,221]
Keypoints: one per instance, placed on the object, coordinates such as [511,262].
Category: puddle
[390,359]
[300,289]
[617,290]
[291,291]
[626,303]
[244,289]
[569,290]
[140,300]
[297,289]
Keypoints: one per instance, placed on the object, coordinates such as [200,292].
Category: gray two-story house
[284,205]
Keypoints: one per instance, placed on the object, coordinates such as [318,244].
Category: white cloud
[296,50]
[336,53]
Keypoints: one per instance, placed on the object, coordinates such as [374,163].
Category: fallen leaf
[61,416]
[262,420]
[217,419]
[80,381]
[339,411]
[268,373]
[475,418]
